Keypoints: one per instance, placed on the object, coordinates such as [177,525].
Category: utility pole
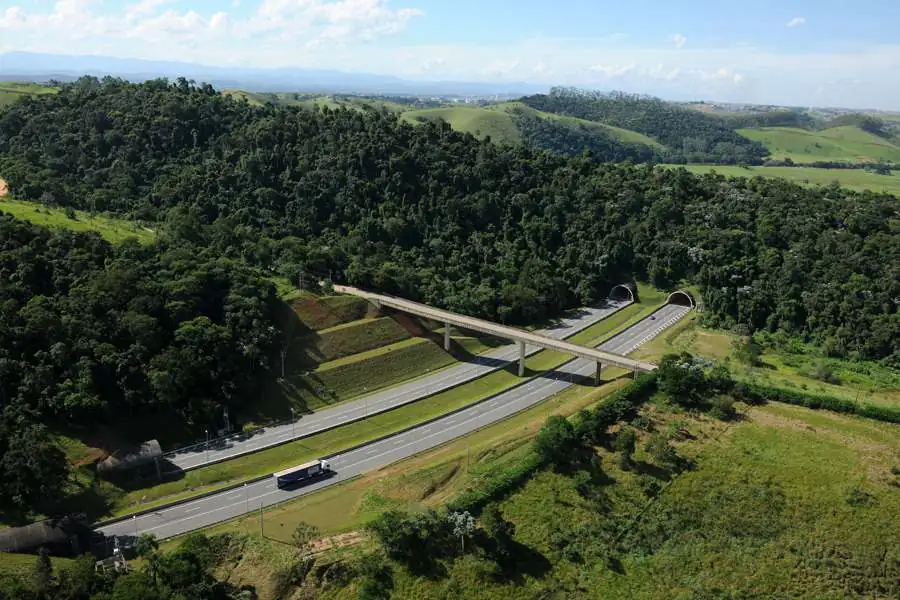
[293,428]
[207,446]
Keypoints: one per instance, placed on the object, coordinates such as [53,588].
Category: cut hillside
[339,347]
[839,144]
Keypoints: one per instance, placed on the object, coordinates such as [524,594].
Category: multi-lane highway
[389,399]
[228,504]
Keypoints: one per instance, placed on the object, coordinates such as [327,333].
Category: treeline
[576,139]
[512,234]
[773,118]
[689,135]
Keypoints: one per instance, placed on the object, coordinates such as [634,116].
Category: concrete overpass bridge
[519,336]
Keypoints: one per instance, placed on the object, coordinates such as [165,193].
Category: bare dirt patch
[4,189]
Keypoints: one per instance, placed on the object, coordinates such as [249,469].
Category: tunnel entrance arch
[623,291]
[681,298]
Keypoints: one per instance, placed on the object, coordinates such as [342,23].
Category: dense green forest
[574,139]
[690,135]
[512,234]
[93,334]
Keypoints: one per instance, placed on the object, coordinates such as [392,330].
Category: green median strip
[206,479]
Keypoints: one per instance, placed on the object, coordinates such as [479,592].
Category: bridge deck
[503,331]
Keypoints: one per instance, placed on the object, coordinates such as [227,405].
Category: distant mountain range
[27,66]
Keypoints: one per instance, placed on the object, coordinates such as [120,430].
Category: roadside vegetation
[646,494]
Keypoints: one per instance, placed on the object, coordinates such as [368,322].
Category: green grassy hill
[12,91]
[114,231]
[479,121]
[846,144]
[854,179]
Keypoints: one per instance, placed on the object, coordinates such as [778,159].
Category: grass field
[866,382]
[22,565]
[113,230]
[854,179]
[12,91]
[847,143]
[479,121]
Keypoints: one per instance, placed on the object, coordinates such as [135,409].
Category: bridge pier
[447,328]
[597,373]
[521,359]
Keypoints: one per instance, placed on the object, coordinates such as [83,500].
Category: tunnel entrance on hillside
[681,298]
[623,291]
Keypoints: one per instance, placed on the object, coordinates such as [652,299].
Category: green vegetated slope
[113,230]
[842,144]
[12,91]
[477,120]
[854,179]
[783,364]
[339,348]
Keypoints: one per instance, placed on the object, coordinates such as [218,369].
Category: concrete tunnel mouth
[681,298]
[623,291]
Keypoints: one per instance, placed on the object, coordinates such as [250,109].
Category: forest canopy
[507,233]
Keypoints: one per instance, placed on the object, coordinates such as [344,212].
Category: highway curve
[229,504]
[385,400]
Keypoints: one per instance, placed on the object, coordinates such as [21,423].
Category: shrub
[624,445]
[556,442]
[722,408]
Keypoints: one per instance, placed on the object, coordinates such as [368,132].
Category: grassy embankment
[784,502]
[119,501]
[864,382]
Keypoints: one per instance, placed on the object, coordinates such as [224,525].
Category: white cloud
[611,71]
[289,24]
[796,22]
[336,34]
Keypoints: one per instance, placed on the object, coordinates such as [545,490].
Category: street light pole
[293,423]
[207,445]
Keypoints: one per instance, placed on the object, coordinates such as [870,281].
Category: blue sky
[802,52]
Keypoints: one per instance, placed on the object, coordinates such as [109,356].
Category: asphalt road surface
[229,504]
[388,399]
